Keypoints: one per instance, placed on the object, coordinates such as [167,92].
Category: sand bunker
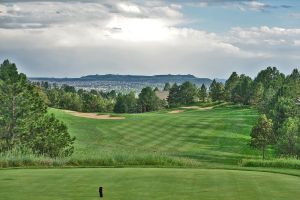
[92,115]
[176,111]
[197,108]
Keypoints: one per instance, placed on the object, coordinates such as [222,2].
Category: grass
[212,142]
[193,138]
[108,159]
[147,183]
[272,163]
[218,137]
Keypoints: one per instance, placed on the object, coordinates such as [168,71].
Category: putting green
[140,184]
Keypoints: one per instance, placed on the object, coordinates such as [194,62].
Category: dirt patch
[92,115]
[176,111]
[197,108]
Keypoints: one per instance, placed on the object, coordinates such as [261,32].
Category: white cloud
[198,4]
[129,8]
[242,5]
[71,39]
[254,5]
[265,35]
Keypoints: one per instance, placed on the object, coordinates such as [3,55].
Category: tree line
[277,98]
[67,97]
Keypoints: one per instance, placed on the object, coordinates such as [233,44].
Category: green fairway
[82,184]
[217,136]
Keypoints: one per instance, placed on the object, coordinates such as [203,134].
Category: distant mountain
[152,79]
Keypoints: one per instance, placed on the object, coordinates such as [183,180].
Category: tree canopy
[183,94]
[23,117]
[261,135]
[148,101]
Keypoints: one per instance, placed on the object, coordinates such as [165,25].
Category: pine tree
[148,101]
[20,105]
[167,87]
[261,134]
[230,85]
[216,91]
[203,93]
[21,108]
[289,142]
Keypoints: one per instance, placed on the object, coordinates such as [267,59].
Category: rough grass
[146,184]
[272,163]
[108,159]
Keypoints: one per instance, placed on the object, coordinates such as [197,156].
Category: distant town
[124,83]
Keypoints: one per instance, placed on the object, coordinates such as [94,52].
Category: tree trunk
[263,153]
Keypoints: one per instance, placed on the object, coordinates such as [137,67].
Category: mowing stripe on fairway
[126,183]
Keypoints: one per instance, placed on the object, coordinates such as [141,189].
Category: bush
[50,137]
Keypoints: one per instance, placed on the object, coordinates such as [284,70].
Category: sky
[206,38]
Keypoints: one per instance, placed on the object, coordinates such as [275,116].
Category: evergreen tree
[272,80]
[213,90]
[188,93]
[126,103]
[21,109]
[230,85]
[49,136]
[174,98]
[242,91]
[203,93]
[289,142]
[257,94]
[167,87]
[182,95]
[216,91]
[20,105]
[148,101]
[282,110]
[261,134]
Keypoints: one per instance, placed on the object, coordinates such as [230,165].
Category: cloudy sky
[207,38]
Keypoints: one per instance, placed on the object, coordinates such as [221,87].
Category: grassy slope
[82,184]
[217,136]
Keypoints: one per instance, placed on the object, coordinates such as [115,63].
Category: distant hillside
[125,83]
[151,79]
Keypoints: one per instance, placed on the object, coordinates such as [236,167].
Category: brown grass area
[176,111]
[197,108]
[92,115]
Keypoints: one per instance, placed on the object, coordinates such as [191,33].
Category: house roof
[163,95]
